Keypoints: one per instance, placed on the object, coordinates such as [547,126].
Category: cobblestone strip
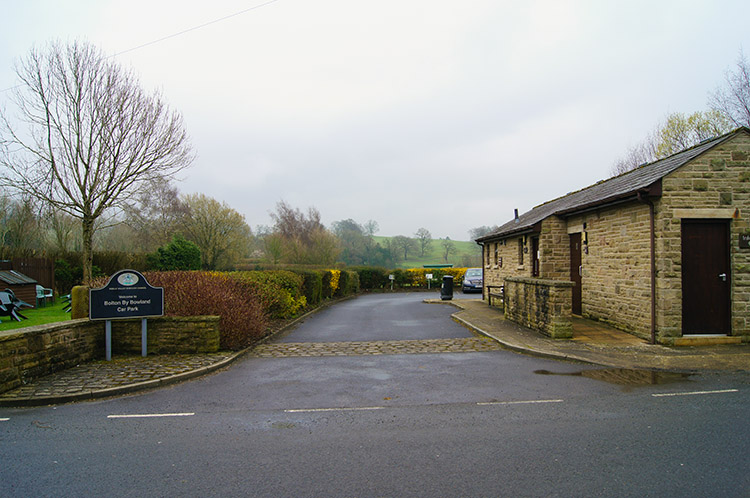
[297,349]
[119,372]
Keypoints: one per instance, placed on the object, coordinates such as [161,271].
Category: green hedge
[371,278]
[280,291]
[312,286]
[413,278]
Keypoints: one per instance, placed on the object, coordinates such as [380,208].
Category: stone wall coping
[51,327]
[45,327]
[540,281]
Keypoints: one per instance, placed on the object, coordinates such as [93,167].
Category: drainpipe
[650,204]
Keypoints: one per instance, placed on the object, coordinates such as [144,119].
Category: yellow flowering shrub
[334,283]
[417,277]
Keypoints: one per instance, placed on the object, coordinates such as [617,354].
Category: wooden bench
[497,294]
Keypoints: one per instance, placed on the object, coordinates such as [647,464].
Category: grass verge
[37,316]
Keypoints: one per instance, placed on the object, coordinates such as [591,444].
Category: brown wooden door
[705,277]
[576,271]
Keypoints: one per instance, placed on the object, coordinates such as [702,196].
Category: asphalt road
[457,424]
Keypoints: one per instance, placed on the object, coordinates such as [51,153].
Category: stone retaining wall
[540,304]
[33,352]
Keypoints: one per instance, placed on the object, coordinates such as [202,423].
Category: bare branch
[86,138]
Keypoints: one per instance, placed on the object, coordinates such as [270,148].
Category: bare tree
[449,248]
[424,237]
[63,228]
[219,231]
[6,213]
[404,244]
[21,227]
[682,131]
[476,232]
[677,132]
[733,100]
[641,153]
[371,228]
[86,137]
[305,239]
[156,214]
[292,223]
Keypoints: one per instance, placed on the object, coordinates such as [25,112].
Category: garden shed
[22,286]
[662,251]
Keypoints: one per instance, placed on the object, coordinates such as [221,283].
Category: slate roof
[615,189]
[11,277]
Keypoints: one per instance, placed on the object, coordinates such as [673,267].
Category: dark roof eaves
[506,234]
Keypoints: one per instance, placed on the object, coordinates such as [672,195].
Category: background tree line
[728,108]
[162,229]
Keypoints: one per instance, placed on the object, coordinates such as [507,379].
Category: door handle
[723,277]
[580,270]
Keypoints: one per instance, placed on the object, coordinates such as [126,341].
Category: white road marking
[529,402]
[695,393]
[152,415]
[313,410]
[4,419]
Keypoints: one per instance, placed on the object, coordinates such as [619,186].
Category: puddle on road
[625,376]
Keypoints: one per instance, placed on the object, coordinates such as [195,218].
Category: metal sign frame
[127,295]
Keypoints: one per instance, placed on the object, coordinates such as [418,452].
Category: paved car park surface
[406,423]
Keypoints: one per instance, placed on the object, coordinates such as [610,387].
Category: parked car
[472,280]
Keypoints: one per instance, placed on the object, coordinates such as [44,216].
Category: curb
[505,344]
[119,390]
[521,349]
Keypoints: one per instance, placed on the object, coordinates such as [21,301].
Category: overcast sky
[413,113]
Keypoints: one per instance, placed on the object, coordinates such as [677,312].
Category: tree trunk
[87,228]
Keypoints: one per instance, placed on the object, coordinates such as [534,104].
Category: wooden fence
[40,269]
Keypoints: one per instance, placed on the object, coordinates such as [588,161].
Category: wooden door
[706,277]
[535,270]
[576,270]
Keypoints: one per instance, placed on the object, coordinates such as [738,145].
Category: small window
[497,251]
[520,251]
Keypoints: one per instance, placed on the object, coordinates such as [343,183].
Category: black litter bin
[446,289]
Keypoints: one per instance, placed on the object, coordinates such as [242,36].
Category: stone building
[662,251]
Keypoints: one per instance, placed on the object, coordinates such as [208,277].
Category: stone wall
[167,335]
[715,185]
[501,260]
[33,352]
[616,281]
[554,247]
[540,304]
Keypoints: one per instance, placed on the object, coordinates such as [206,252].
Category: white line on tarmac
[4,419]
[313,410]
[530,402]
[695,393]
[152,415]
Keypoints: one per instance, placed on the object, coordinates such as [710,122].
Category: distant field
[468,253]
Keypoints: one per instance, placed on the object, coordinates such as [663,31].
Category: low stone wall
[544,305]
[167,335]
[33,352]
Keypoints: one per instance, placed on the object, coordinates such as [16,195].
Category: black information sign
[745,241]
[126,295]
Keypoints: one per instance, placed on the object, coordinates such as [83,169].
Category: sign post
[126,295]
